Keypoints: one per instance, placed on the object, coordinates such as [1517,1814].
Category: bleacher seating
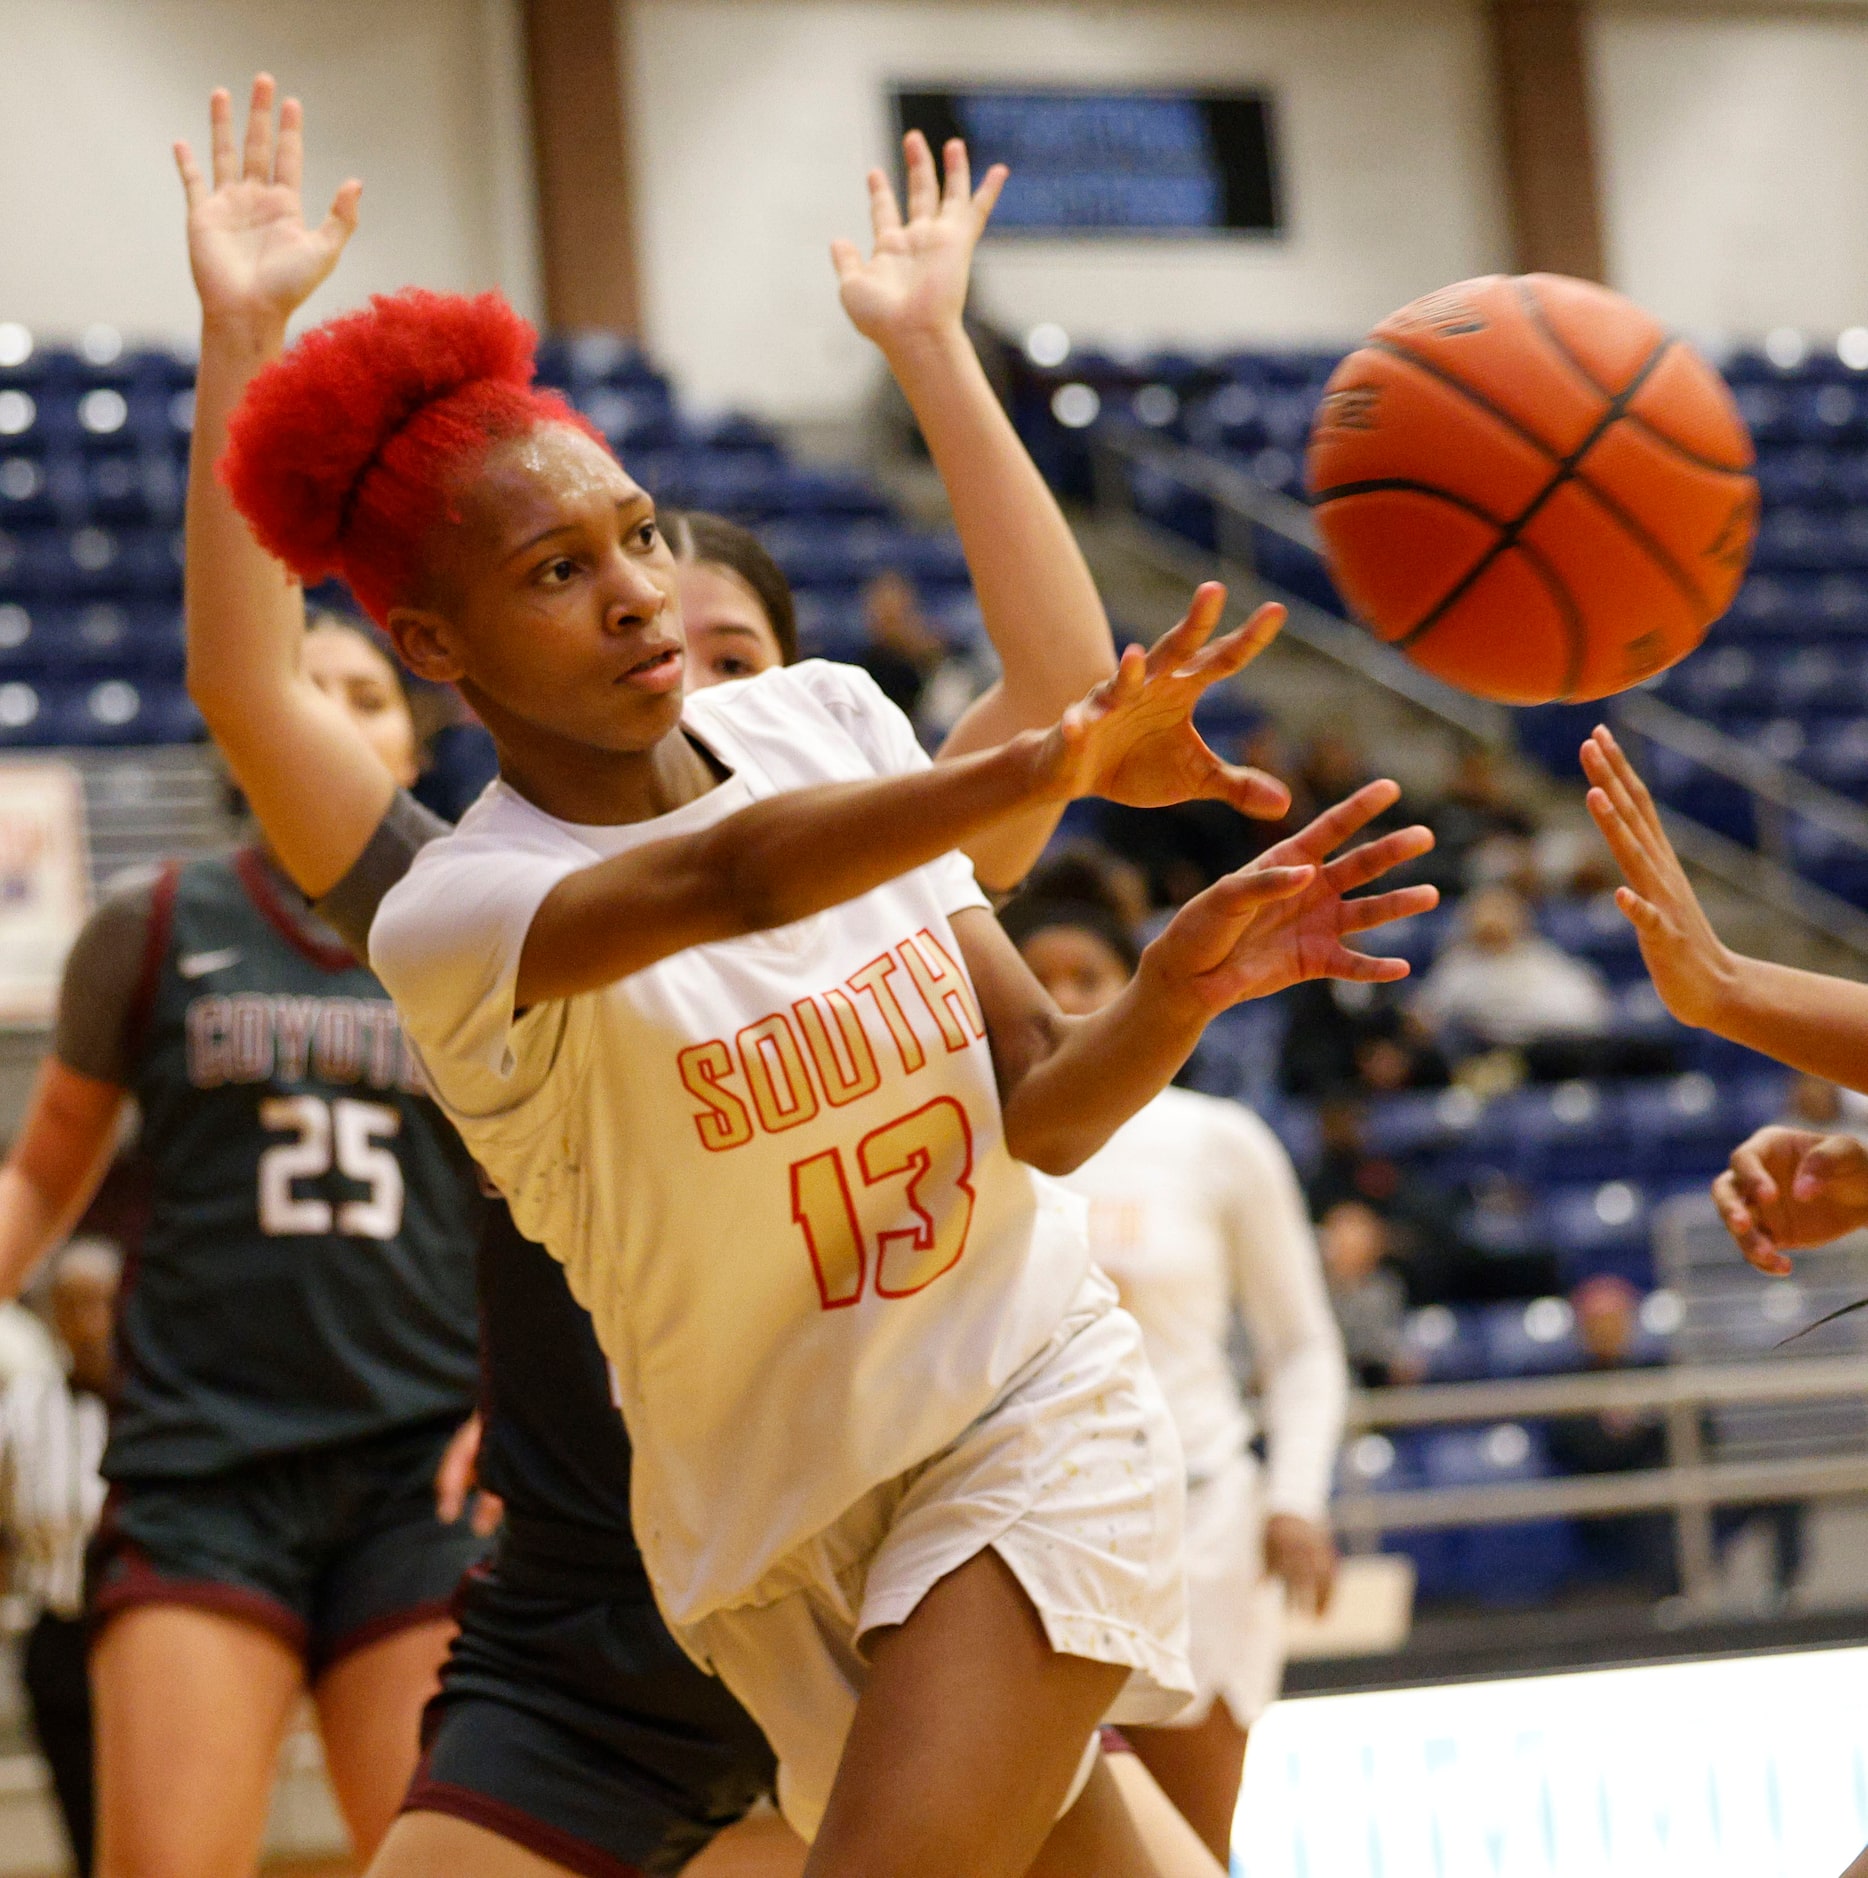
[1786,670]
[93,460]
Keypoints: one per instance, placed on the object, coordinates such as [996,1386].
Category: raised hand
[1132,740]
[1689,964]
[1231,942]
[254,260]
[1788,1188]
[914,282]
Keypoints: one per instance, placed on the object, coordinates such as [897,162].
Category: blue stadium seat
[1571,1131]
[1446,1342]
[1600,1226]
[1525,1563]
[1534,1339]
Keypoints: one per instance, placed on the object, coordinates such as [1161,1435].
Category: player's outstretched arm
[1789,1188]
[1132,740]
[1806,1019]
[255,262]
[1067,1084]
[1041,608]
[61,1153]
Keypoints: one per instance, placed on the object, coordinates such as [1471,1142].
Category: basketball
[1532,489]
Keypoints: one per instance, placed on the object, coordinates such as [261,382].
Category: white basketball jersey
[773,1168]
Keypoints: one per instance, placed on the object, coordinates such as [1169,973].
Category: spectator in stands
[52,1428]
[1423,1239]
[1825,1107]
[1363,1042]
[902,652]
[1499,985]
[1627,1547]
[1480,830]
[1367,1293]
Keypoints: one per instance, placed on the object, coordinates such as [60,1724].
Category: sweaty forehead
[550,476]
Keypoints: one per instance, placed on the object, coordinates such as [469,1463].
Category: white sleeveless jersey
[773,1167]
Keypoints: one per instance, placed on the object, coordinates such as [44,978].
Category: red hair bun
[341,453]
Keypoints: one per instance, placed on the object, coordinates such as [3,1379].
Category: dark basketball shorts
[570,1722]
[331,1549]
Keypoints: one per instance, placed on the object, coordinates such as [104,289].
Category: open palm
[252,255]
[1228,945]
[915,279]
[1132,740]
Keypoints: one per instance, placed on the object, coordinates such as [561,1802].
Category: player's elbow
[1051,1150]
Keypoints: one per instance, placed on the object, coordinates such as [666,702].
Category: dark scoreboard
[1095,162]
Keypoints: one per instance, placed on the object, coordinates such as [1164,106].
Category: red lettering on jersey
[847,1072]
[725,1122]
[934,1148]
[826,1215]
[782,1090]
[874,979]
[944,989]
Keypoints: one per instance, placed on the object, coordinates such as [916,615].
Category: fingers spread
[1336,824]
[987,197]
[1238,648]
[1360,969]
[1375,858]
[258,166]
[221,133]
[1250,791]
[194,184]
[923,186]
[341,223]
[1380,908]
[958,190]
[1182,640]
[885,218]
[288,165]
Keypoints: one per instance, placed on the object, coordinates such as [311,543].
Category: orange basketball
[1532,489]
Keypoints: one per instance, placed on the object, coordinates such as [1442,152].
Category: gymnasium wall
[1733,154]
[754,121]
[423,98]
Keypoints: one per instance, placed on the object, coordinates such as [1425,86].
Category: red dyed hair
[342,453]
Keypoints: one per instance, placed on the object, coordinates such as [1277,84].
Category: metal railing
[1689,1486]
[1242,506]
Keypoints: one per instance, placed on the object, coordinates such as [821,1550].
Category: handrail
[1715,1483]
[1797,1379]
[1688,1488]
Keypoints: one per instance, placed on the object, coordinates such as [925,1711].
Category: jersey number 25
[345,1134]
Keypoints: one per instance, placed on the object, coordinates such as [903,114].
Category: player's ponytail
[342,453]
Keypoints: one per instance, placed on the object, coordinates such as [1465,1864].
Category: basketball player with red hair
[551,729]
[571,1732]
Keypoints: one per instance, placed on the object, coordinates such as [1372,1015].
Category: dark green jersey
[306,1275]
